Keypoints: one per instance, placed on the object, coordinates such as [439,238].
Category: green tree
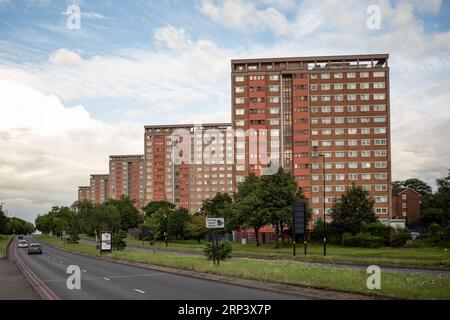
[442,198]
[247,205]
[3,221]
[352,210]
[196,228]
[129,215]
[220,206]
[159,222]
[277,194]
[154,206]
[176,223]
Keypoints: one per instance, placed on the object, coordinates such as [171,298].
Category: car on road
[415,235]
[23,244]
[20,237]
[35,248]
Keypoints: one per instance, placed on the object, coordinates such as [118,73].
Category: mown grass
[429,256]
[4,240]
[395,285]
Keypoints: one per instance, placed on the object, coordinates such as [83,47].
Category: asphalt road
[108,280]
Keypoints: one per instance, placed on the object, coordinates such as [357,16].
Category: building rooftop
[171,126]
[364,57]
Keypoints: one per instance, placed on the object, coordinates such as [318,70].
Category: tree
[176,223]
[3,221]
[278,192]
[220,206]
[352,210]
[129,215]
[419,186]
[247,205]
[154,206]
[196,227]
[442,197]
[158,222]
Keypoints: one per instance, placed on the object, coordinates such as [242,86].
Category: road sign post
[215,223]
[105,241]
[299,224]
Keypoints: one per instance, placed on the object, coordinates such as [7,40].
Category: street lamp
[324,207]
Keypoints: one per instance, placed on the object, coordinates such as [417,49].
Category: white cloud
[65,57]
[51,148]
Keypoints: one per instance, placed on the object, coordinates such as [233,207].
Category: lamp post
[324,207]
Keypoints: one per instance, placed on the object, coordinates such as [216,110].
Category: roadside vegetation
[4,241]
[395,285]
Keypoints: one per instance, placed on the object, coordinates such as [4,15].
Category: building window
[325,87]
[239,100]
[239,89]
[239,79]
[338,86]
[379,96]
[339,75]
[379,74]
[274,77]
[351,75]
[313,87]
[239,112]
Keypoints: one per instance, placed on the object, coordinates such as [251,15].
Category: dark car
[20,237]
[35,248]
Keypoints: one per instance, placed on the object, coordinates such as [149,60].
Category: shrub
[118,241]
[362,239]
[412,244]
[379,230]
[399,238]
[438,236]
[332,235]
[224,251]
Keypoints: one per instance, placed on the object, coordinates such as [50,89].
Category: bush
[379,230]
[399,238]
[118,241]
[224,251]
[413,244]
[438,236]
[362,239]
[332,235]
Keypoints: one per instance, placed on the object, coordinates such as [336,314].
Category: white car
[23,244]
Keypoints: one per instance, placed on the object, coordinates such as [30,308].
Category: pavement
[108,280]
[433,272]
[14,285]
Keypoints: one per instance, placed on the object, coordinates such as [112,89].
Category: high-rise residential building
[84,193]
[186,164]
[326,120]
[126,177]
[99,188]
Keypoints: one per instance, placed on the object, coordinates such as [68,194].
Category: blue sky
[71,97]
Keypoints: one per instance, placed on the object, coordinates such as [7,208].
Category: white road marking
[60,262]
[140,291]
[107,279]
[82,270]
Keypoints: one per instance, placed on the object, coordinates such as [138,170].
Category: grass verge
[414,257]
[4,241]
[395,285]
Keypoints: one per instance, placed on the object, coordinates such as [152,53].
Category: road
[108,280]
[335,265]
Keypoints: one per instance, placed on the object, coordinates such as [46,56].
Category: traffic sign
[215,223]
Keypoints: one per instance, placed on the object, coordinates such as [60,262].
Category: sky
[72,94]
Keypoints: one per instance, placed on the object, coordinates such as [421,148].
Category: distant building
[201,170]
[99,188]
[405,204]
[84,193]
[126,177]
